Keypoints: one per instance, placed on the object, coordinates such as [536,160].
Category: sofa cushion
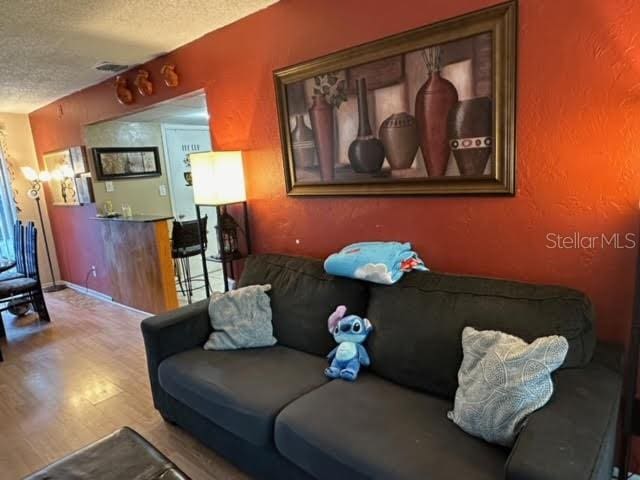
[302,298]
[373,428]
[418,323]
[241,390]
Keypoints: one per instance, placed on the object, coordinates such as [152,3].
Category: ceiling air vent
[110,67]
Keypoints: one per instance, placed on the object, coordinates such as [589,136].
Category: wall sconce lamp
[218,181]
[36,179]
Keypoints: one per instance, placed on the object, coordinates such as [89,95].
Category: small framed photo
[116,163]
[84,189]
[79,160]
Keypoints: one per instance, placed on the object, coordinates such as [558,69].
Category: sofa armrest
[573,436]
[173,332]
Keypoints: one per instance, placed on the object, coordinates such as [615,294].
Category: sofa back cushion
[302,298]
[418,324]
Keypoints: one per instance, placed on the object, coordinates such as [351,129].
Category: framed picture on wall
[116,163]
[79,160]
[84,187]
[63,187]
[428,111]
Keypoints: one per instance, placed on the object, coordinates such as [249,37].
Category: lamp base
[54,288]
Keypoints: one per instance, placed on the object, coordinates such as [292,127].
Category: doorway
[180,127]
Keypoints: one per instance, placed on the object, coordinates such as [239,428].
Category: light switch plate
[163,190]
[108,186]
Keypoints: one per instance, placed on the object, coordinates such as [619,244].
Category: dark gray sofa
[272,412]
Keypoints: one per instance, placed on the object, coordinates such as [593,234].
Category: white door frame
[176,126]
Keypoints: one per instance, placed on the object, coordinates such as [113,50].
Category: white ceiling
[184,111]
[49,47]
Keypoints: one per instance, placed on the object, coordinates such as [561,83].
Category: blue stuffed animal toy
[350,332]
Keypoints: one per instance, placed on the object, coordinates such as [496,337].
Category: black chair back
[31,250]
[185,237]
[18,248]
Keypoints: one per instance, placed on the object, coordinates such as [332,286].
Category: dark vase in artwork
[322,124]
[304,150]
[434,100]
[366,152]
[470,134]
[399,136]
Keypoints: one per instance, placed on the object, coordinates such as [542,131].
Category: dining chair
[18,251]
[26,288]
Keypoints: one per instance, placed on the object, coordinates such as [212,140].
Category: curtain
[8,212]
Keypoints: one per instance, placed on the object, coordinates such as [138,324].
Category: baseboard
[88,291]
[100,296]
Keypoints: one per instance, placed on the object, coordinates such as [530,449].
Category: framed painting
[428,111]
[116,163]
[63,187]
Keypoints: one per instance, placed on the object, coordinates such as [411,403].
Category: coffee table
[123,455]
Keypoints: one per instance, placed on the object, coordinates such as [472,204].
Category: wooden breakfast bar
[138,255]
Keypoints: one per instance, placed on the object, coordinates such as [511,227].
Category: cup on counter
[107,207]
[126,210]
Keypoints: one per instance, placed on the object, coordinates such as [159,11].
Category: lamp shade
[218,178]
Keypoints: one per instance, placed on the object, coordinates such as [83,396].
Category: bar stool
[185,243]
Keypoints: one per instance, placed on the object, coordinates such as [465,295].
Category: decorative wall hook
[168,71]
[123,93]
[145,87]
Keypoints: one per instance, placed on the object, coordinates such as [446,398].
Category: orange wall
[578,140]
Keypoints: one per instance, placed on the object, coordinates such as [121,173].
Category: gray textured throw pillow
[241,319]
[502,380]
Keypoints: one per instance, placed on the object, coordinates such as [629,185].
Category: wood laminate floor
[68,383]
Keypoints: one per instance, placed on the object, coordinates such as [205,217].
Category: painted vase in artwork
[434,100]
[399,135]
[322,125]
[470,134]
[304,150]
[366,152]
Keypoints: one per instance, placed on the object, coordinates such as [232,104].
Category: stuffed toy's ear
[367,325]
[335,317]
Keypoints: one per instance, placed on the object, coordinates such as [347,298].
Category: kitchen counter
[139,263]
[136,218]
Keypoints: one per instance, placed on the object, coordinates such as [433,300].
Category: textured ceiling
[49,47]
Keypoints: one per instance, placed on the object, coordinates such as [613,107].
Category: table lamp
[218,181]
[36,179]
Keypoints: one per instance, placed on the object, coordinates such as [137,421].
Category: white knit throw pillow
[502,380]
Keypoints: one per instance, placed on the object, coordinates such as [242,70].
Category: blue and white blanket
[378,262]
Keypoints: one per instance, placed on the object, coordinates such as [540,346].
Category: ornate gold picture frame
[428,111]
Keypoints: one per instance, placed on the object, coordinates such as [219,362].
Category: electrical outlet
[163,190]
[108,186]
[94,272]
